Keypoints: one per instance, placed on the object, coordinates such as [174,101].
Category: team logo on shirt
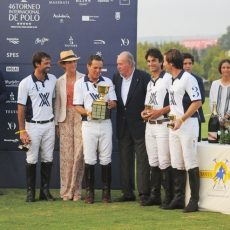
[172,98]
[153,98]
[44,99]
[95,96]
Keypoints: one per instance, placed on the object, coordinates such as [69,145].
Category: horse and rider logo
[219,175]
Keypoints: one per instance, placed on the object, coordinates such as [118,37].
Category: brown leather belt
[158,122]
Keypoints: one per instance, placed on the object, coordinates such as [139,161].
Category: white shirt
[183,91]
[157,91]
[125,87]
[85,92]
[37,96]
[220,94]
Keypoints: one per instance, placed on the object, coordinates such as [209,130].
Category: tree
[224,40]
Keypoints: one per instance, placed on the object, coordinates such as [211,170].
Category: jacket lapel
[120,79]
[134,83]
[63,87]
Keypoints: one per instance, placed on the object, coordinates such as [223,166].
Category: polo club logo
[44,98]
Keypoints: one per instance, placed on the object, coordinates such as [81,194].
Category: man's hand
[145,115]
[112,104]
[25,138]
[177,124]
[154,114]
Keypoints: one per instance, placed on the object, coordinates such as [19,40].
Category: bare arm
[191,110]
[24,137]
[80,109]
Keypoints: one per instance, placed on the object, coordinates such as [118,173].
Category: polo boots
[155,193]
[179,179]
[194,182]
[45,181]
[89,183]
[106,181]
[167,183]
[30,181]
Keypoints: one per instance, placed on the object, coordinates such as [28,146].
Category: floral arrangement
[224,132]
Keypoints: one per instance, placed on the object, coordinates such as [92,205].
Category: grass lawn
[15,213]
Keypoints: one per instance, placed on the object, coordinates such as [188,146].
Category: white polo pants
[42,141]
[157,145]
[97,138]
[183,145]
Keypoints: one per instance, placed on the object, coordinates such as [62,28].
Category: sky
[182,17]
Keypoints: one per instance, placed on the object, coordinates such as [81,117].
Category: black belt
[159,122]
[41,122]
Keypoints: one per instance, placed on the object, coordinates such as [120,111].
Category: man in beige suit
[68,126]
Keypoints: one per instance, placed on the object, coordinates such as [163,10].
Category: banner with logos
[104,27]
[214,160]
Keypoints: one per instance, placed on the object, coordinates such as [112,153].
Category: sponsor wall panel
[104,27]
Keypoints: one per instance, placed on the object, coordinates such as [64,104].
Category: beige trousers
[71,155]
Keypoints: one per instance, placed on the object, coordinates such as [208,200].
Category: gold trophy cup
[100,109]
[172,118]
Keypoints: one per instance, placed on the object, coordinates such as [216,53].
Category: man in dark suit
[130,86]
[188,61]
[3,95]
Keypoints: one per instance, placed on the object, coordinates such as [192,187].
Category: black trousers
[129,147]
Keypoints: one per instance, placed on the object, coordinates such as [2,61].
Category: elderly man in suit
[130,86]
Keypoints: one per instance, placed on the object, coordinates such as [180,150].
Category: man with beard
[36,123]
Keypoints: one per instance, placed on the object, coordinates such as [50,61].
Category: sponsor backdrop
[104,27]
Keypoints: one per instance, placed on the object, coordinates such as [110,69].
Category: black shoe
[125,198]
[191,207]
[151,201]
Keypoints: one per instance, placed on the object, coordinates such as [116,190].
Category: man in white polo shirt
[185,100]
[96,134]
[156,131]
[36,123]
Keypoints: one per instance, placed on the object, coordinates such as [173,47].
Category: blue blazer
[129,115]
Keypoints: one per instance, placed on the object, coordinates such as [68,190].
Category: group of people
[143,102]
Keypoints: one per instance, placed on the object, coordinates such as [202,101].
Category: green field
[15,213]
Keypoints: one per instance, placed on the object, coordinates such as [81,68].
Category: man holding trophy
[94,96]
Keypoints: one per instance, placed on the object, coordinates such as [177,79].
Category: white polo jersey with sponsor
[85,92]
[157,91]
[37,96]
[183,91]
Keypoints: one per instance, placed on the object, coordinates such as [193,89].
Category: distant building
[198,43]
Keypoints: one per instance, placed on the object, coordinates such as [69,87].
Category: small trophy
[147,110]
[172,118]
[100,109]
[24,147]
